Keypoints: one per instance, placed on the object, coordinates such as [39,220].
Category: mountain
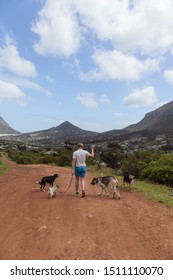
[159,120]
[64,132]
[67,132]
[6,129]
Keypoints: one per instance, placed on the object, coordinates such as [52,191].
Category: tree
[112,155]
[136,162]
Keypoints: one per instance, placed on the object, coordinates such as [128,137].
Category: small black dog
[47,179]
[128,179]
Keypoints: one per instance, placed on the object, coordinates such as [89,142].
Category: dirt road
[70,227]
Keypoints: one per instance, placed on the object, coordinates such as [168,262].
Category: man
[79,166]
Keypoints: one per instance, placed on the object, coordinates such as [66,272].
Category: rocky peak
[5,128]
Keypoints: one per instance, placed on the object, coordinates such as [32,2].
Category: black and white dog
[128,179]
[47,180]
[106,183]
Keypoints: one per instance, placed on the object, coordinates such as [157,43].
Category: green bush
[62,157]
[136,162]
[160,171]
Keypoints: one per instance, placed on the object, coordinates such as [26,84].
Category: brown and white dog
[52,191]
[106,183]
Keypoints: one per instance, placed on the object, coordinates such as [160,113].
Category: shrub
[160,171]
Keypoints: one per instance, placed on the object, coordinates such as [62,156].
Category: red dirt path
[34,227]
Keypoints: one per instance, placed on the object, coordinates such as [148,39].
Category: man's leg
[77,184]
[83,186]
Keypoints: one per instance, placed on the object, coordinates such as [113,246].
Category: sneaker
[83,193]
[77,193]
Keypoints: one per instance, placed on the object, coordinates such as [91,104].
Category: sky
[99,64]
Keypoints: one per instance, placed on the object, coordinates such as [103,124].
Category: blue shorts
[80,171]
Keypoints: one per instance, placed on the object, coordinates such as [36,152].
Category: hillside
[5,128]
[64,132]
[68,132]
[157,122]
[160,120]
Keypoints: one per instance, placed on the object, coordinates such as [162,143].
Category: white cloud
[11,60]
[138,26]
[49,79]
[130,25]
[123,37]
[87,99]
[10,92]
[168,74]
[25,83]
[48,93]
[104,99]
[58,30]
[141,97]
[117,65]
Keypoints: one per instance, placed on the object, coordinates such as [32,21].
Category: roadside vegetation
[153,191]
[153,170]
[3,166]
[156,192]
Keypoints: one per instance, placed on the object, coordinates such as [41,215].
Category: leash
[68,186]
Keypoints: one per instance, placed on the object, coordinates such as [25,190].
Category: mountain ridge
[154,122]
[5,128]
[160,119]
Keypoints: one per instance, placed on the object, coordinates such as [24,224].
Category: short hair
[80,145]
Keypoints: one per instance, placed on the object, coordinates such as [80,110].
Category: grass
[3,167]
[155,192]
